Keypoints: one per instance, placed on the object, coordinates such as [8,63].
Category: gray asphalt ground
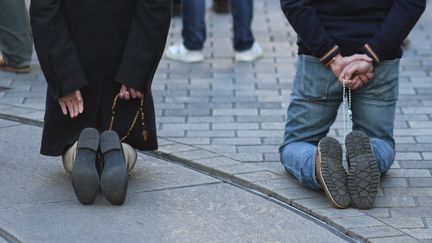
[166,203]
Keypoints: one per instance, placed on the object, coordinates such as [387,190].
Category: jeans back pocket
[386,80]
[314,78]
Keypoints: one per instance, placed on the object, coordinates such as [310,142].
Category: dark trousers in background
[16,43]
[194,28]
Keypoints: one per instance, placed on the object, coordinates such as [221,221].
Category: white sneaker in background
[252,54]
[178,52]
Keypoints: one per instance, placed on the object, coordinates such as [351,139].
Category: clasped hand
[354,71]
[73,103]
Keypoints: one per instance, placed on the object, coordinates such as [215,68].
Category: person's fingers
[80,101]
[75,107]
[348,72]
[122,92]
[63,107]
[362,57]
[70,108]
[133,93]
[139,94]
[363,78]
[127,95]
[369,76]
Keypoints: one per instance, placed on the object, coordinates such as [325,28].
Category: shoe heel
[364,177]
[85,178]
[114,176]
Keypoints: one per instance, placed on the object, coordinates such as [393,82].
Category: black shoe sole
[114,176]
[333,176]
[363,176]
[85,178]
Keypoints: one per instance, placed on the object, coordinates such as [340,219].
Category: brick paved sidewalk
[227,118]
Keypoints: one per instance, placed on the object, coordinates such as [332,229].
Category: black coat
[94,46]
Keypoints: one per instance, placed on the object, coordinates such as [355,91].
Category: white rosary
[346,110]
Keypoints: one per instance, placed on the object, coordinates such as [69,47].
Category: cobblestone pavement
[227,118]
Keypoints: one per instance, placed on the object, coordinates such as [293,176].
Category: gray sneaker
[363,176]
[332,176]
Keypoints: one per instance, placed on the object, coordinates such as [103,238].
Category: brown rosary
[139,113]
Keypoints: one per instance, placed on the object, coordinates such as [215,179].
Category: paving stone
[259,176]
[245,157]
[6,123]
[306,205]
[235,141]
[411,212]
[375,232]
[207,134]
[420,182]
[403,223]
[257,149]
[299,193]
[425,234]
[358,221]
[195,154]
[425,201]
[234,126]
[192,141]
[239,169]
[422,164]
[395,239]
[175,148]
[408,156]
[389,181]
[218,162]
[219,149]
[378,212]
[212,119]
[235,112]
[409,173]
[337,213]
[427,155]
[182,126]
[394,201]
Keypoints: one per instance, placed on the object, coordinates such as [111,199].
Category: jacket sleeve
[400,20]
[55,50]
[304,19]
[145,45]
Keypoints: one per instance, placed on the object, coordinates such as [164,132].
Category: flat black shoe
[114,176]
[364,176]
[332,175]
[85,178]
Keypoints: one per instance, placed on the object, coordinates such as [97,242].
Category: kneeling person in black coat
[99,59]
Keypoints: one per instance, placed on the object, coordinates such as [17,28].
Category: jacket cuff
[329,57]
[368,50]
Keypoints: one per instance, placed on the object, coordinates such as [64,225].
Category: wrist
[329,57]
[335,62]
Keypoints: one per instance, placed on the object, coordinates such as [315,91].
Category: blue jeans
[315,98]
[194,29]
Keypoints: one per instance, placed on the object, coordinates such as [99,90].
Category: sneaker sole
[114,176]
[85,178]
[364,176]
[332,174]
[190,60]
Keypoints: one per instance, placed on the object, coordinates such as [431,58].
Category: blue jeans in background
[315,98]
[16,43]
[194,29]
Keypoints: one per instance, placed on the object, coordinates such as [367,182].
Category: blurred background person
[16,44]
[219,6]
[194,32]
